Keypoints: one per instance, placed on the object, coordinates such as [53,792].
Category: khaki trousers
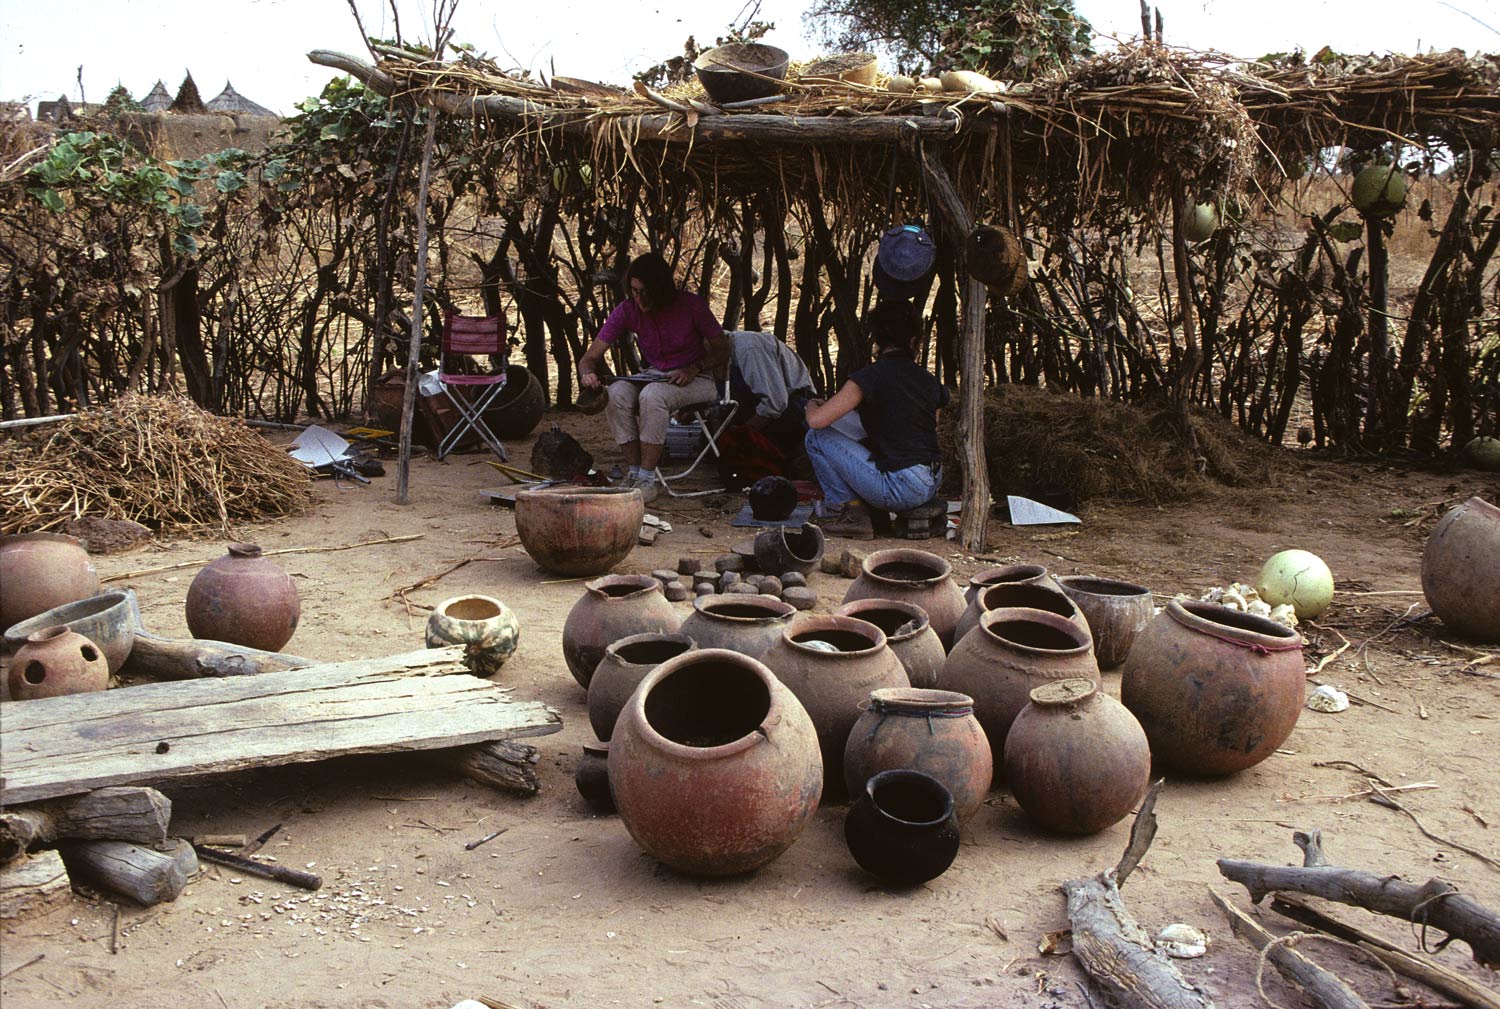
[640,411]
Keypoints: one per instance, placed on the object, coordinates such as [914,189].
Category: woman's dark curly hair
[655,277]
[894,325]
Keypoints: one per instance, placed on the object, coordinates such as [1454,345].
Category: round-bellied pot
[1008,655]
[1461,569]
[245,599]
[1006,574]
[625,664]
[485,626]
[1034,595]
[913,576]
[903,829]
[106,619]
[611,608]
[908,633]
[714,764]
[1216,690]
[1076,760]
[782,549]
[933,731]
[591,776]
[579,530]
[1116,612]
[40,571]
[746,623]
[831,664]
[518,409]
[56,661]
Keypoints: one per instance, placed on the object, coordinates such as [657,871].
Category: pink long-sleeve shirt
[671,337]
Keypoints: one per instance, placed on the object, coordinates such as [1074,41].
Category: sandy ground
[565,910]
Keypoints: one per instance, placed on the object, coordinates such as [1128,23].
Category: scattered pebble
[675,591]
[729,563]
[703,589]
[771,585]
[792,579]
[663,575]
[800,597]
[689,565]
[728,580]
[743,589]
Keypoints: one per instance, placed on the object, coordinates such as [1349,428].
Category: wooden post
[121,813]
[145,875]
[414,348]
[1187,368]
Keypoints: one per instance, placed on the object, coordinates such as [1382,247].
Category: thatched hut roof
[234,103]
[157,100]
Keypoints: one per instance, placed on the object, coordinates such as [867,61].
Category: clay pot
[933,731]
[518,409]
[1076,760]
[39,571]
[913,576]
[244,599]
[485,626]
[625,664]
[1031,595]
[611,608]
[1216,690]
[831,664]
[579,530]
[1008,655]
[1116,613]
[1006,574]
[107,620]
[902,829]
[591,776]
[714,764]
[56,661]
[1461,569]
[908,633]
[745,623]
[781,549]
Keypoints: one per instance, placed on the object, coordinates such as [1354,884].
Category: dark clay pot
[106,619]
[933,731]
[1461,570]
[579,530]
[625,664]
[39,571]
[1116,612]
[1216,690]
[54,662]
[1006,574]
[611,608]
[591,775]
[245,599]
[747,624]
[1076,760]
[908,633]
[1031,595]
[782,549]
[902,829]
[913,576]
[714,764]
[519,407]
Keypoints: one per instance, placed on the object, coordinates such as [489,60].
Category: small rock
[689,565]
[729,562]
[704,589]
[771,585]
[107,536]
[789,579]
[743,589]
[663,575]
[800,597]
[675,591]
[847,563]
[706,532]
[728,580]
[756,581]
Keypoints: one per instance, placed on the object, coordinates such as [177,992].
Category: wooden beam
[127,813]
[145,875]
[35,884]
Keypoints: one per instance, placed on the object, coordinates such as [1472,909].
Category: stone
[728,580]
[846,564]
[689,565]
[704,589]
[799,597]
[664,576]
[108,536]
[675,591]
[729,562]
[771,585]
[743,589]
[791,579]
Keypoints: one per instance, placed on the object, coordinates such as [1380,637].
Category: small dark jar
[592,778]
[902,828]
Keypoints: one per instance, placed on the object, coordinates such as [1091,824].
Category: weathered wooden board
[160,732]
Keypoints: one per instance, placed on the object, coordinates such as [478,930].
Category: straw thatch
[157,100]
[232,102]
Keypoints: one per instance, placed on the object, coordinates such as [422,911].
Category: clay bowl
[518,409]
[106,619]
[579,530]
[741,71]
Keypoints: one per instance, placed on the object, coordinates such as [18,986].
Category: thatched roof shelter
[232,102]
[158,100]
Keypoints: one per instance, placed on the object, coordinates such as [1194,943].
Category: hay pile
[157,460]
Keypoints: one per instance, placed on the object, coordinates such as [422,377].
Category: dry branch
[1322,986]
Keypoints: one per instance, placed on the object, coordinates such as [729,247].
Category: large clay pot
[245,599]
[831,664]
[1076,760]
[1116,613]
[54,662]
[745,623]
[714,764]
[518,409]
[1008,655]
[1461,569]
[611,608]
[591,777]
[903,829]
[485,626]
[625,664]
[39,571]
[1031,595]
[107,620]
[1006,574]
[579,530]
[782,549]
[913,576]
[933,731]
[908,633]
[1216,690]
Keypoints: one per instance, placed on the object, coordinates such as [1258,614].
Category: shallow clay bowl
[105,619]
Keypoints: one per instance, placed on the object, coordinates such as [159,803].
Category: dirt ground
[565,910]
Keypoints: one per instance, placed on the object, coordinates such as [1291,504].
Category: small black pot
[782,549]
[902,828]
[592,778]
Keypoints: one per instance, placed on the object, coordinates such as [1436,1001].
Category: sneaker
[852,521]
[649,487]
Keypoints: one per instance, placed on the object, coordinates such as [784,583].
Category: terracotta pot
[831,664]
[1461,569]
[1076,760]
[611,608]
[245,599]
[714,764]
[518,409]
[1116,613]
[579,530]
[782,549]
[591,776]
[625,664]
[54,662]
[1216,690]
[1006,574]
[912,576]
[747,624]
[908,633]
[933,731]
[485,626]
[1031,595]
[107,620]
[902,829]
[39,571]
[1008,655]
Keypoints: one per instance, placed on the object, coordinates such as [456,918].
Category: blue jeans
[846,470]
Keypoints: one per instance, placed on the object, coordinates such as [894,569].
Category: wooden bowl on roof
[845,68]
[741,71]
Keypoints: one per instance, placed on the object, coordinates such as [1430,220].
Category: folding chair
[712,418]
[470,336]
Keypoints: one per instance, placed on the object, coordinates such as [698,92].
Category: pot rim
[855,607]
[702,603]
[898,555]
[775,711]
[1044,617]
[987,577]
[442,608]
[78,609]
[612,651]
[45,634]
[596,749]
[908,774]
[1028,587]
[806,622]
[920,699]
[644,584]
[1242,629]
[247,550]
[780,534]
[574,495]
[1089,585]
[1481,505]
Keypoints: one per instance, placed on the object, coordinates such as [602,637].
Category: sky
[261,45]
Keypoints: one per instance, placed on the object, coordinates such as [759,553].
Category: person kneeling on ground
[893,462]
[771,385]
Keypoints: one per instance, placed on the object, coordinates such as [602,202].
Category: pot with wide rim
[1031,595]
[579,530]
[626,663]
[611,608]
[908,633]
[1116,612]
[483,625]
[903,828]
[1006,574]
[933,731]
[749,624]
[107,619]
[781,549]
[913,576]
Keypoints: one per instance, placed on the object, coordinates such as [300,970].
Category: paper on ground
[1026,512]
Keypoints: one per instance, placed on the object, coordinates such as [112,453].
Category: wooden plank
[161,732]
[35,884]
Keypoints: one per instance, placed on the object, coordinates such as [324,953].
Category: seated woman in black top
[886,454]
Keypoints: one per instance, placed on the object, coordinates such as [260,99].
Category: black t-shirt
[899,411]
